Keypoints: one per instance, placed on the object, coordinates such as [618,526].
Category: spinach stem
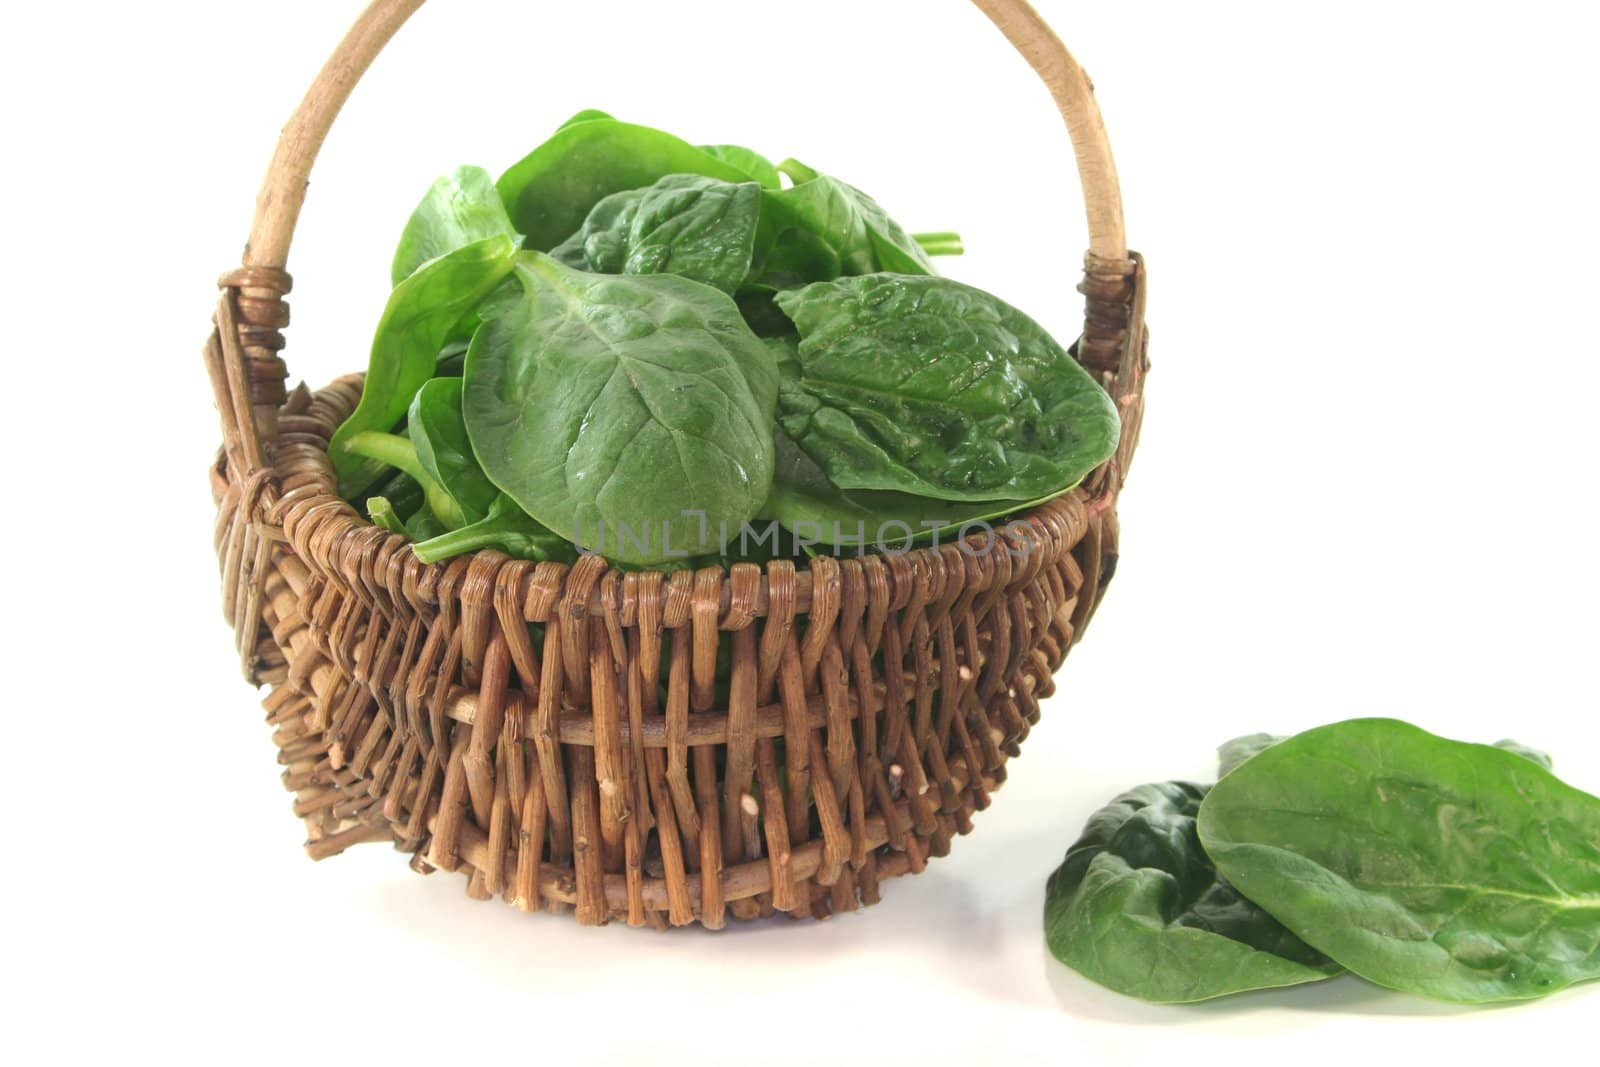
[401,452]
[940,243]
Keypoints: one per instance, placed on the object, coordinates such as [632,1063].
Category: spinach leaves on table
[587,353]
[633,412]
[1138,907]
[1464,872]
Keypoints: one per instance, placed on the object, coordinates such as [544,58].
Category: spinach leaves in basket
[1467,873]
[634,345]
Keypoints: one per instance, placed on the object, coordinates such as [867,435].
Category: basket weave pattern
[592,762]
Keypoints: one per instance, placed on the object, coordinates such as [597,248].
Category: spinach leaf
[809,506]
[460,208]
[933,388]
[684,224]
[423,527]
[1138,907]
[422,313]
[393,450]
[588,114]
[753,164]
[1543,759]
[551,190]
[1233,753]
[1240,749]
[630,411]
[382,514]
[1463,872]
[505,527]
[439,434]
[793,258]
[853,224]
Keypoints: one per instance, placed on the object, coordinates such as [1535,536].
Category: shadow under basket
[559,734]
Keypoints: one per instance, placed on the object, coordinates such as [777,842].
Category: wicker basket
[873,702]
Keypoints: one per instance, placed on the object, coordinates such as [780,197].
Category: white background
[1366,486]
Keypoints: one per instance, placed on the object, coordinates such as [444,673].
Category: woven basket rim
[312,509]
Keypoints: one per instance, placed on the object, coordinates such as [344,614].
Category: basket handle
[246,369]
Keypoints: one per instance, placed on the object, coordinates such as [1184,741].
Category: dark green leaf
[933,388]
[506,528]
[812,508]
[1232,753]
[608,406]
[422,313]
[1457,871]
[858,230]
[796,257]
[460,209]
[437,429]
[1137,907]
[550,192]
[423,526]
[755,166]
[684,224]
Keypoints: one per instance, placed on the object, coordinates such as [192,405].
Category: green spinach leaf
[933,388]
[632,412]
[804,502]
[423,527]
[439,433]
[422,313]
[1233,753]
[684,224]
[755,166]
[1463,872]
[506,527]
[1138,907]
[853,225]
[461,208]
[551,190]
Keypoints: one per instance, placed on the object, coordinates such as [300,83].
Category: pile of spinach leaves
[642,346]
[1467,873]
